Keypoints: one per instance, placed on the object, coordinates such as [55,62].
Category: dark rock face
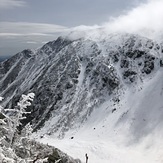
[148,64]
[72,77]
[161,63]
[130,74]
[135,54]
[124,63]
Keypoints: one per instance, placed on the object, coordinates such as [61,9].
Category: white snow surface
[133,133]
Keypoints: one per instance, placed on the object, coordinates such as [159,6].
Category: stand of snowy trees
[15,145]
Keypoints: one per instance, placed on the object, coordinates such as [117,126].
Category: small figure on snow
[86,156]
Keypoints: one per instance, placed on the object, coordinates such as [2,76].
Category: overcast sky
[31,23]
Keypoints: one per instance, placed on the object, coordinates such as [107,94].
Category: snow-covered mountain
[100,95]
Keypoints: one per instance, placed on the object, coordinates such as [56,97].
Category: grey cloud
[68,12]
[13,44]
[29,28]
[16,36]
[6,4]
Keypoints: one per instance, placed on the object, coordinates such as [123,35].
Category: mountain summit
[108,88]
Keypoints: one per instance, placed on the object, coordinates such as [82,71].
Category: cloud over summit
[146,19]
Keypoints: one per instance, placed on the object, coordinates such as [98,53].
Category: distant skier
[86,156]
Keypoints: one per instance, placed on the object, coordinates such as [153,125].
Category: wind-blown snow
[144,19]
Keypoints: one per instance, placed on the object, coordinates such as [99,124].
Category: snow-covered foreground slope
[106,151]
[137,136]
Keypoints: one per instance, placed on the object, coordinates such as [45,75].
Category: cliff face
[72,78]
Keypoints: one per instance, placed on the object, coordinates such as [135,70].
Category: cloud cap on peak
[145,19]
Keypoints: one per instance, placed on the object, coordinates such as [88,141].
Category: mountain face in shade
[74,79]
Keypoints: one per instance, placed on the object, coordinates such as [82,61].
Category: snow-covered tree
[1,109]
[2,124]
[26,131]
[17,114]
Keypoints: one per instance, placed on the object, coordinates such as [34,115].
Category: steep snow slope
[133,133]
[101,95]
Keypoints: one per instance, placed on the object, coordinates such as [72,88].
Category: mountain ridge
[70,75]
